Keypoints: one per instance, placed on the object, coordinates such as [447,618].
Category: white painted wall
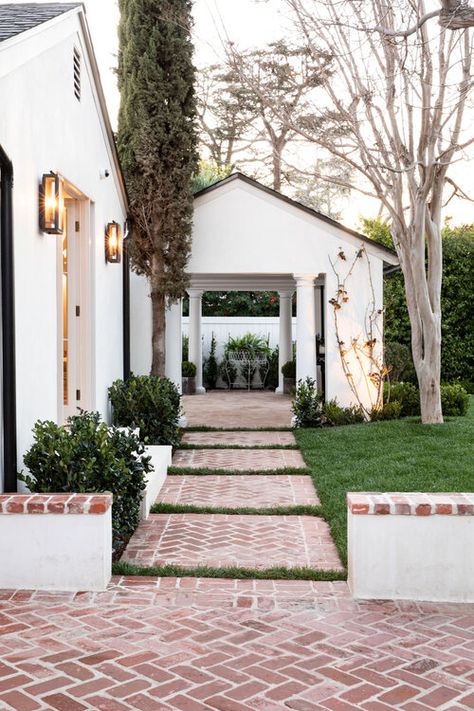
[394,557]
[43,127]
[50,554]
[161,460]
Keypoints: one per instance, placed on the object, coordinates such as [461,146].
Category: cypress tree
[157,146]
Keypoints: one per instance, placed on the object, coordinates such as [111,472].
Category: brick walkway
[196,644]
[247,439]
[217,540]
[238,409]
[237,491]
[242,459]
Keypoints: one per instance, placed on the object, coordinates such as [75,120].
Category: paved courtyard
[195,644]
[238,408]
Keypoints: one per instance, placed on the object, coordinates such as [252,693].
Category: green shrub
[150,403]
[390,411]
[188,369]
[185,348]
[270,377]
[454,400]
[87,457]
[398,358]
[336,415]
[255,345]
[406,394]
[307,406]
[288,369]
[211,366]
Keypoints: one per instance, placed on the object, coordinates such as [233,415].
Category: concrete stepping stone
[243,439]
[237,491]
[238,459]
[216,540]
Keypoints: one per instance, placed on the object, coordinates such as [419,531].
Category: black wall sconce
[113,247]
[51,207]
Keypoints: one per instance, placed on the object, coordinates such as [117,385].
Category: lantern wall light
[51,206]
[113,246]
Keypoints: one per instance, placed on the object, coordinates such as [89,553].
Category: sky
[248,23]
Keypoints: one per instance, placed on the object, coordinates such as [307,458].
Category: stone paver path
[242,459]
[231,645]
[236,491]
[238,409]
[218,540]
[246,439]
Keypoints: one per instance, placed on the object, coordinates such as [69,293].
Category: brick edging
[411,504]
[55,503]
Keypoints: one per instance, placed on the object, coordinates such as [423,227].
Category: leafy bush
[188,369]
[390,411]
[289,369]
[406,394]
[336,415]
[87,457]
[211,366]
[269,377]
[307,406]
[454,400]
[398,358]
[255,345]
[150,403]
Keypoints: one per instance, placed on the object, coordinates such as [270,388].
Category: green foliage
[288,369]
[209,173]
[307,406]
[457,350]
[454,399]
[157,136]
[398,359]
[188,369]
[237,303]
[150,403]
[253,344]
[271,376]
[336,415]
[390,411]
[85,457]
[211,366]
[185,353]
[228,371]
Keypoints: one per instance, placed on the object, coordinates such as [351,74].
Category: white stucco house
[247,237]
[62,216]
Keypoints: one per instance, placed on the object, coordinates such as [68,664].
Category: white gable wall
[43,127]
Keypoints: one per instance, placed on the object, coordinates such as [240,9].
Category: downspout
[8,325]
[126,307]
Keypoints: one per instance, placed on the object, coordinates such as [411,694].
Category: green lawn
[400,455]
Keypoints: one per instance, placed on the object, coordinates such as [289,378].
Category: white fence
[224,327]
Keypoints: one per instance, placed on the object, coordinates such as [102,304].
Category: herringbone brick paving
[234,645]
[241,459]
[247,439]
[218,540]
[235,491]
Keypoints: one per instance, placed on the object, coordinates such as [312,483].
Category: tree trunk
[158,333]
[276,157]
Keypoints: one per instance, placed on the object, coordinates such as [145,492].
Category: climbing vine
[361,355]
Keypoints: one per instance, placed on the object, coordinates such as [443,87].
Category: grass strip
[186,471]
[205,428]
[172,571]
[395,455]
[298,510]
[187,445]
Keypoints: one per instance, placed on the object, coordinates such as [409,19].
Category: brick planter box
[411,546]
[55,541]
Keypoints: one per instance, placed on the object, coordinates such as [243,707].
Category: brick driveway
[237,491]
[193,644]
[217,540]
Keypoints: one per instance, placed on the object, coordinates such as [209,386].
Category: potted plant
[289,376]
[247,353]
[188,372]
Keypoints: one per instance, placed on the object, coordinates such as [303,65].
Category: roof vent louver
[77,74]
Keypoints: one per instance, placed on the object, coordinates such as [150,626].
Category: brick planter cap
[410,504]
[55,503]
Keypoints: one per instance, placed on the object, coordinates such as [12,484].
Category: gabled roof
[16,18]
[299,206]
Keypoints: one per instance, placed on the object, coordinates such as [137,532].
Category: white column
[195,336]
[285,341]
[305,326]
[174,343]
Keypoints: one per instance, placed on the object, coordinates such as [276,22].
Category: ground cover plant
[396,455]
